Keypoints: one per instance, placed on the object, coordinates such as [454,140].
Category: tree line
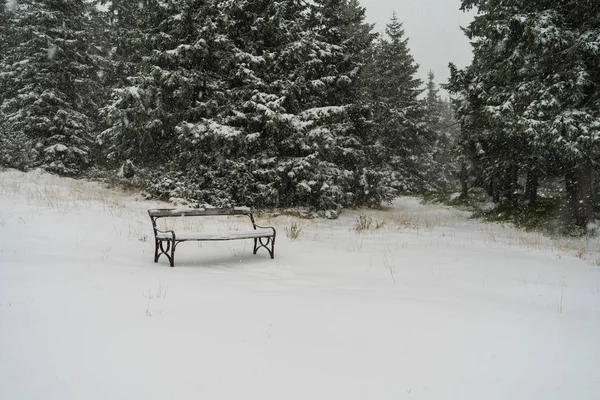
[299,103]
[227,102]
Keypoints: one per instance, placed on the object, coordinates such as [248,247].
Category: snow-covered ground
[425,304]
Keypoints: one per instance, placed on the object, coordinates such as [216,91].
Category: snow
[11,5]
[218,235]
[425,304]
[207,127]
[52,51]
[321,112]
[179,49]
[57,148]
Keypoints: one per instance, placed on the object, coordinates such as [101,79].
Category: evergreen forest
[294,103]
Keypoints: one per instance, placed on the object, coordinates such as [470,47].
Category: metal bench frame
[164,244]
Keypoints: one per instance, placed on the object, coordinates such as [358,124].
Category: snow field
[423,303]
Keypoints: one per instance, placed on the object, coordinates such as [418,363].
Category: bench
[165,241]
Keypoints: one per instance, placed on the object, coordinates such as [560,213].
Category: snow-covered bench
[165,241]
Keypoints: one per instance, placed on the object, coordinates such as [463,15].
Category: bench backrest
[197,212]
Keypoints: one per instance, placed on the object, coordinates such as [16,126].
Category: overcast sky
[433,29]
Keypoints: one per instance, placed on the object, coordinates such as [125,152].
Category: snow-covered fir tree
[338,124]
[243,102]
[3,27]
[347,39]
[15,148]
[121,40]
[49,81]
[393,90]
[177,43]
[529,102]
[441,124]
[243,149]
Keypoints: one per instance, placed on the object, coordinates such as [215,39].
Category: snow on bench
[181,237]
[165,241]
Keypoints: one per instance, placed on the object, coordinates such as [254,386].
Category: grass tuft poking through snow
[293,230]
[363,223]
[411,301]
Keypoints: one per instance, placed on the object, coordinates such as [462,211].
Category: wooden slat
[197,212]
[218,235]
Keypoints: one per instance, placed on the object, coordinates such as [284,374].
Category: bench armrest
[167,231]
[266,227]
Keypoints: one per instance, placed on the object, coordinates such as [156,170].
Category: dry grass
[514,237]
[293,230]
[65,196]
[576,246]
[356,246]
[404,220]
[389,264]
[366,223]
[151,296]
[363,223]
[62,195]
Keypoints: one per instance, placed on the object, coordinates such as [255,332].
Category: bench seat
[249,234]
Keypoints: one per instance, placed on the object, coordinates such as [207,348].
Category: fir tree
[440,123]
[3,28]
[48,76]
[345,40]
[177,45]
[123,38]
[276,141]
[246,103]
[243,145]
[393,91]
[339,126]
[529,101]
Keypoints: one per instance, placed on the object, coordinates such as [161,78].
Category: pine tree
[243,145]
[276,141]
[246,103]
[529,101]
[440,123]
[123,39]
[393,91]
[48,77]
[338,125]
[178,46]
[3,28]
[345,40]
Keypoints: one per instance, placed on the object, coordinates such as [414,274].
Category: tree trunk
[571,191]
[512,184]
[532,184]
[578,185]
[464,187]
[585,210]
[494,189]
[490,187]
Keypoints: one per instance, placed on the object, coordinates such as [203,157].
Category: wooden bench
[165,241]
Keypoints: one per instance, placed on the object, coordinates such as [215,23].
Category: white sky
[433,29]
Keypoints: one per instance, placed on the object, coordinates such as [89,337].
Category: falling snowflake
[51,51]
[11,5]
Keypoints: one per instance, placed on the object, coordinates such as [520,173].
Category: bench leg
[268,244]
[156,255]
[172,258]
[272,247]
[168,251]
